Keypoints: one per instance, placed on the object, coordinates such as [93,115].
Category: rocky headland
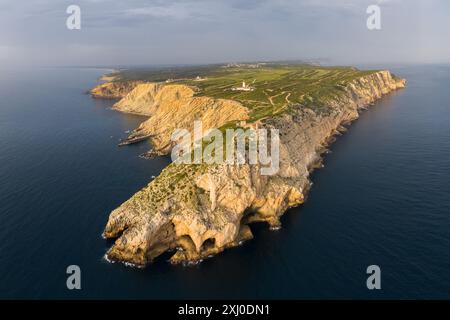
[198,210]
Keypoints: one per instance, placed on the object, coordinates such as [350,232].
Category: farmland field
[276,86]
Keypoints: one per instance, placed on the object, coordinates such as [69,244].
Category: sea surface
[383,198]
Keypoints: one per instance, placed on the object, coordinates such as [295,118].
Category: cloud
[170,11]
[6,52]
[186,31]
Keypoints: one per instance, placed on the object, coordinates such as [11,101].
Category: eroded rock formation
[172,106]
[200,210]
[114,89]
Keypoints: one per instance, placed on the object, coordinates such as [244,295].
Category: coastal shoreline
[152,222]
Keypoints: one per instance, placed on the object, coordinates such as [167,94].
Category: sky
[153,32]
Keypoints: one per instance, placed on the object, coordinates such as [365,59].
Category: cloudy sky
[136,32]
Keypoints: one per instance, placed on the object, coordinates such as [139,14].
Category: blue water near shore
[382,198]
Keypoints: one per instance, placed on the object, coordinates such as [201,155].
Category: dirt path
[279,94]
[287,97]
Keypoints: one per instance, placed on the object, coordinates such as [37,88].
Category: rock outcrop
[113,89]
[145,98]
[172,106]
[200,210]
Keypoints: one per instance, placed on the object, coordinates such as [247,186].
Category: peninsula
[198,210]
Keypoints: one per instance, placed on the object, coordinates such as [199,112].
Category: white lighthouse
[244,87]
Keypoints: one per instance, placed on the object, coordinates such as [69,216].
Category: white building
[244,87]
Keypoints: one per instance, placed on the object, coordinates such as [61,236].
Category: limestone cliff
[172,106]
[145,98]
[114,89]
[199,210]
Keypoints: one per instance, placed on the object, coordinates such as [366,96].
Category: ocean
[383,198]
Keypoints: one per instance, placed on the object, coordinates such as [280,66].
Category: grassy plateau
[275,86]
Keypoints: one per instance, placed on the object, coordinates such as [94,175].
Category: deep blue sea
[382,198]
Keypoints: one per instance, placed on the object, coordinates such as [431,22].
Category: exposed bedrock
[200,210]
[114,89]
[172,106]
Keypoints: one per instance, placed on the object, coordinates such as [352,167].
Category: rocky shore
[198,210]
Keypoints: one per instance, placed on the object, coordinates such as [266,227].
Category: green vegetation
[276,86]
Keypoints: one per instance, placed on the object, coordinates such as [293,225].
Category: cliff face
[172,106]
[199,210]
[113,90]
[145,98]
